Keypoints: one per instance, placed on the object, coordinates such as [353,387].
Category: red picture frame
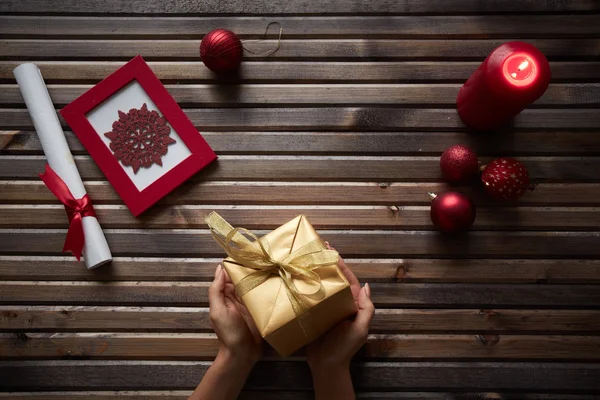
[137,200]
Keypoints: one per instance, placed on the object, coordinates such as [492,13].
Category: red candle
[513,76]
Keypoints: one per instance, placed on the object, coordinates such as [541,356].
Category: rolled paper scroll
[42,112]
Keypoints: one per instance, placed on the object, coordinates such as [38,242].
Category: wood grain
[325,168]
[293,49]
[148,375]
[164,294]
[322,217]
[252,95]
[345,123]
[312,193]
[560,143]
[385,321]
[498,26]
[385,295]
[289,7]
[295,71]
[265,395]
[135,395]
[390,347]
[410,270]
[191,243]
[347,119]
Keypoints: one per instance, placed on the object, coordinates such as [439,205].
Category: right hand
[336,348]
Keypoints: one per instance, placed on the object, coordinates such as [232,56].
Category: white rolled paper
[36,96]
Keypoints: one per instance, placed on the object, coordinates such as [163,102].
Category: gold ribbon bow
[256,254]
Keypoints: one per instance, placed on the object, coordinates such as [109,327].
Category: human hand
[240,343]
[335,349]
[238,336]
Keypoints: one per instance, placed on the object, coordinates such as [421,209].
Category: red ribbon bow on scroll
[76,209]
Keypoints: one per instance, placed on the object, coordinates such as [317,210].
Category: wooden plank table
[345,123]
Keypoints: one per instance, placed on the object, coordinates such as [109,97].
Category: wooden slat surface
[326,168]
[385,295]
[294,49]
[385,321]
[584,26]
[392,347]
[152,375]
[285,7]
[311,94]
[313,193]
[348,118]
[332,217]
[357,143]
[62,268]
[265,395]
[169,242]
[345,124]
[297,71]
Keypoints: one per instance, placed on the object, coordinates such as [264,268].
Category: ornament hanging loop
[268,53]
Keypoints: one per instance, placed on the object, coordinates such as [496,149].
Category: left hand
[238,336]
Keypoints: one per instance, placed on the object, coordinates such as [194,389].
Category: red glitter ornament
[505,179]
[221,51]
[459,164]
[452,212]
[140,138]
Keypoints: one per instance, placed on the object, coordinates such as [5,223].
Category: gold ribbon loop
[255,253]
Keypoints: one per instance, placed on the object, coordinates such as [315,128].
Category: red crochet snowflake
[140,138]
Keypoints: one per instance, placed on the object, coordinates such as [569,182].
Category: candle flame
[523,65]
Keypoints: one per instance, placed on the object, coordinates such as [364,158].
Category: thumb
[216,295]
[366,309]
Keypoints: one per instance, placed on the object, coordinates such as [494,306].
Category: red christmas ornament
[452,212]
[459,164]
[221,51]
[505,179]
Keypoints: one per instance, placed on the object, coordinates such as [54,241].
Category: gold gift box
[277,319]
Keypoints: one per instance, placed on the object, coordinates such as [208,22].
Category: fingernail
[329,246]
[218,270]
[368,290]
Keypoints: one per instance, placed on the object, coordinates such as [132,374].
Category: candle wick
[523,65]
